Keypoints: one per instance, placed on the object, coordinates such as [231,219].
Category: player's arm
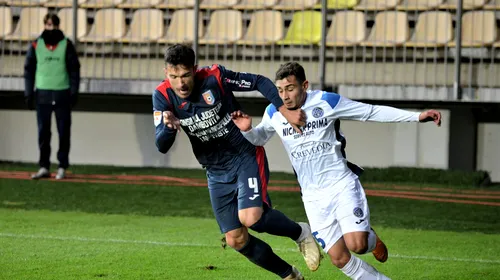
[166,126]
[258,135]
[345,108]
[237,81]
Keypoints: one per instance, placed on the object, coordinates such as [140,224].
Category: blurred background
[413,54]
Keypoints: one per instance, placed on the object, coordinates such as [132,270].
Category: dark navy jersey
[205,115]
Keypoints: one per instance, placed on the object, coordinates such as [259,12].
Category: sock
[276,223]
[261,254]
[372,241]
[360,270]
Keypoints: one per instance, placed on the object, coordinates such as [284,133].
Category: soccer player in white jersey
[333,197]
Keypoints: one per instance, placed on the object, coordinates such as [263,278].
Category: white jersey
[318,155]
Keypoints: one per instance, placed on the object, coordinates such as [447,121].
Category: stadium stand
[390,31]
[66,17]
[181,27]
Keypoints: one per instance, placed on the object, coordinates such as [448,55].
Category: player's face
[181,79]
[292,92]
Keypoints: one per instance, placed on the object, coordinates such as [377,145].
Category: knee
[250,217]
[237,238]
[340,260]
[357,245]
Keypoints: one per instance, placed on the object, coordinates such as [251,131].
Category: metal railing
[366,49]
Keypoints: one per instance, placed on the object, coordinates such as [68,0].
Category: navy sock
[276,223]
[261,254]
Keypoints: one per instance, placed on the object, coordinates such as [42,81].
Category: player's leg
[43,114]
[353,215]
[332,242]
[223,197]
[256,212]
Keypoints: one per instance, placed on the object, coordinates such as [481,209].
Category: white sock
[372,241]
[358,269]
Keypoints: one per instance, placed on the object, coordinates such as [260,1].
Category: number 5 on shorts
[320,241]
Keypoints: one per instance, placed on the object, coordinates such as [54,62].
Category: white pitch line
[182,244]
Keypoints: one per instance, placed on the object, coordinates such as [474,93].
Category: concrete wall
[126,139]
[488,149]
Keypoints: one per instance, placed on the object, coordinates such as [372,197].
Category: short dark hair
[180,54]
[291,68]
[53,17]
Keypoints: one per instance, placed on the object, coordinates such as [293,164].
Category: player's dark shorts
[241,187]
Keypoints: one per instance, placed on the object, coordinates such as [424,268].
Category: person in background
[52,79]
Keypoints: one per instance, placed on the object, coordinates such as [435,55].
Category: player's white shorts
[345,211]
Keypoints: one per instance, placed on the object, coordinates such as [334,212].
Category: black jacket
[52,38]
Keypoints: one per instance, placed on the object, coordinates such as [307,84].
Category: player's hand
[296,118]
[242,120]
[431,115]
[171,121]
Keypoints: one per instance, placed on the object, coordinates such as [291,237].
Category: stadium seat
[224,27]
[217,4]
[265,28]
[138,4]
[176,4]
[146,26]
[100,4]
[338,4]
[26,3]
[348,28]
[66,17]
[419,5]
[479,29]
[109,25]
[376,5]
[304,29]
[255,4]
[30,24]
[427,35]
[295,5]
[62,3]
[390,29]
[5,21]
[492,5]
[181,27]
[466,4]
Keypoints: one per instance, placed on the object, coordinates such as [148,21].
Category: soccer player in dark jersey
[200,101]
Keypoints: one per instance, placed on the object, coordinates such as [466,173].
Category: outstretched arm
[258,135]
[345,108]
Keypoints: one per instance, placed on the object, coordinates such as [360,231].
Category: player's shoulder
[271,110]
[162,87]
[331,98]
[212,70]
[160,94]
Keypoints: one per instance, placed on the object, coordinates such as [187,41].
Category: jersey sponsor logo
[317,112]
[239,83]
[287,131]
[157,117]
[311,150]
[208,97]
[208,124]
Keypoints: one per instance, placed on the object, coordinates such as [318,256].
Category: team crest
[317,112]
[208,97]
[358,212]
